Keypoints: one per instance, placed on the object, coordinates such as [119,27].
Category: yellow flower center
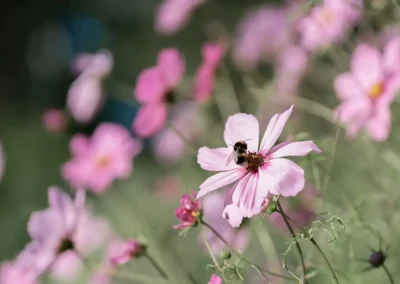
[195,214]
[376,91]
[103,161]
[326,16]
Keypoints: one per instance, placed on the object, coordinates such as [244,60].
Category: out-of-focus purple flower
[253,40]
[154,88]
[54,120]
[188,212]
[2,161]
[173,15]
[204,80]
[368,90]
[122,252]
[10,273]
[99,160]
[85,94]
[213,206]
[215,279]
[329,23]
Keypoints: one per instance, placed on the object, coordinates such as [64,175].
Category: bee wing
[231,157]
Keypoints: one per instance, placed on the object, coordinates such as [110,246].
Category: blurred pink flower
[173,15]
[100,277]
[2,161]
[154,88]
[10,273]
[213,206]
[168,146]
[329,23]
[188,212]
[253,40]
[85,94]
[204,80]
[99,160]
[54,120]
[122,252]
[368,90]
[266,172]
[215,279]
[168,187]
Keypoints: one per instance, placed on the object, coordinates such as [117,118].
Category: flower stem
[242,257]
[297,243]
[156,266]
[326,260]
[388,274]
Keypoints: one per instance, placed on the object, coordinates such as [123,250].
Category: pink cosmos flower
[2,161]
[10,273]
[215,279]
[54,120]
[85,94]
[188,212]
[329,23]
[100,277]
[368,89]
[267,172]
[204,80]
[154,88]
[99,160]
[173,15]
[124,251]
[213,206]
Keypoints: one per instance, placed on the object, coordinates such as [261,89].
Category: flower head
[265,171]
[122,252]
[99,160]
[188,213]
[54,120]
[10,273]
[155,90]
[215,279]
[85,94]
[368,90]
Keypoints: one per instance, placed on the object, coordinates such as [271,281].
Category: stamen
[376,91]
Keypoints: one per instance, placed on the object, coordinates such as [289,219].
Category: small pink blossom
[85,94]
[54,120]
[329,23]
[154,88]
[188,212]
[266,172]
[124,251]
[99,160]
[173,15]
[215,279]
[10,273]
[368,89]
[213,206]
[204,80]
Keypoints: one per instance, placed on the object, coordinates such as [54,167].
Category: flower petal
[150,87]
[242,126]
[172,66]
[233,214]
[378,126]
[300,148]
[366,65]
[215,159]
[346,86]
[283,177]
[391,55]
[63,205]
[354,113]
[150,119]
[274,130]
[219,180]
[79,145]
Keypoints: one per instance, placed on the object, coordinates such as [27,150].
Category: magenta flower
[189,212]
[54,120]
[122,252]
[213,206]
[215,279]
[368,90]
[154,89]
[267,172]
[10,273]
[85,94]
[173,15]
[204,80]
[99,160]
[329,23]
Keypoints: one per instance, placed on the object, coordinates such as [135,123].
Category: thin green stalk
[259,268]
[332,162]
[156,266]
[388,274]
[326,260]
[299,250]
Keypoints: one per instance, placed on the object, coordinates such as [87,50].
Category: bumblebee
[239,154]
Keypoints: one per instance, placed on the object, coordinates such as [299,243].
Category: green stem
[388,274]
[156,266]
[297,243]
[332,162]
[326,260]
[242,257]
